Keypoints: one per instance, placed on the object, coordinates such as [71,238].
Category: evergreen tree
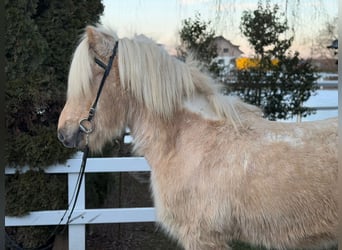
[197,38]
[40,38]
[281,82]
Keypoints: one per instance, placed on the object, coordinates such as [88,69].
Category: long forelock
[80,73]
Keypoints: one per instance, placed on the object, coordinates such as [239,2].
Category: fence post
[77,233]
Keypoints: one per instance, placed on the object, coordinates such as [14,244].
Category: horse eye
[100,63]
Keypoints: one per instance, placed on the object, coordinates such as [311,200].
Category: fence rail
[81,216]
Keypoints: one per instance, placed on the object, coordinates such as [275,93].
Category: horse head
[90,63]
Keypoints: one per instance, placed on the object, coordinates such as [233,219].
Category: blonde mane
[155,78]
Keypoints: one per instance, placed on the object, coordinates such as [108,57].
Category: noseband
[86,125]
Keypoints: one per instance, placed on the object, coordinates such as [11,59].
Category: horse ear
[98,41]
[93,36]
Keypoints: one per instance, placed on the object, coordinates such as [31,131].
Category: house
[227,53]
[334,45]
[226,50]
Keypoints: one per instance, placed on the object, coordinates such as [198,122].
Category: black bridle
[86,125]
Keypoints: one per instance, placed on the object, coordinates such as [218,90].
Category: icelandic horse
[219,170]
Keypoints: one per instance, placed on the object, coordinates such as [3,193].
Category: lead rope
[75,194]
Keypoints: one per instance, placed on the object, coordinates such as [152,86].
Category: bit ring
[86,126]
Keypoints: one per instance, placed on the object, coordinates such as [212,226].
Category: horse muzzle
[70,140]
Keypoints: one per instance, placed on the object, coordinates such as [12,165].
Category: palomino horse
[219,171]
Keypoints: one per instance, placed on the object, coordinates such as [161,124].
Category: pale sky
[161,20]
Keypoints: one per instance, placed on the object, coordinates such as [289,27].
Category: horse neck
[151,133]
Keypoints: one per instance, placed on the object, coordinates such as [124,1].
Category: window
[225,50]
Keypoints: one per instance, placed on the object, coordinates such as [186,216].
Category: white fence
[82,216]
[327,80]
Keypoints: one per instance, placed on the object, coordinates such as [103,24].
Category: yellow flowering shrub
[244,63]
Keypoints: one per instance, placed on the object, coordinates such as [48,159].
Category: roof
[229,42]
[222,38]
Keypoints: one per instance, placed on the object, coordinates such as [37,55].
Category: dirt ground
[144,236]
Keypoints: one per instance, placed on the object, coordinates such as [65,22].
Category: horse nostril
[60,136]
[66,139]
